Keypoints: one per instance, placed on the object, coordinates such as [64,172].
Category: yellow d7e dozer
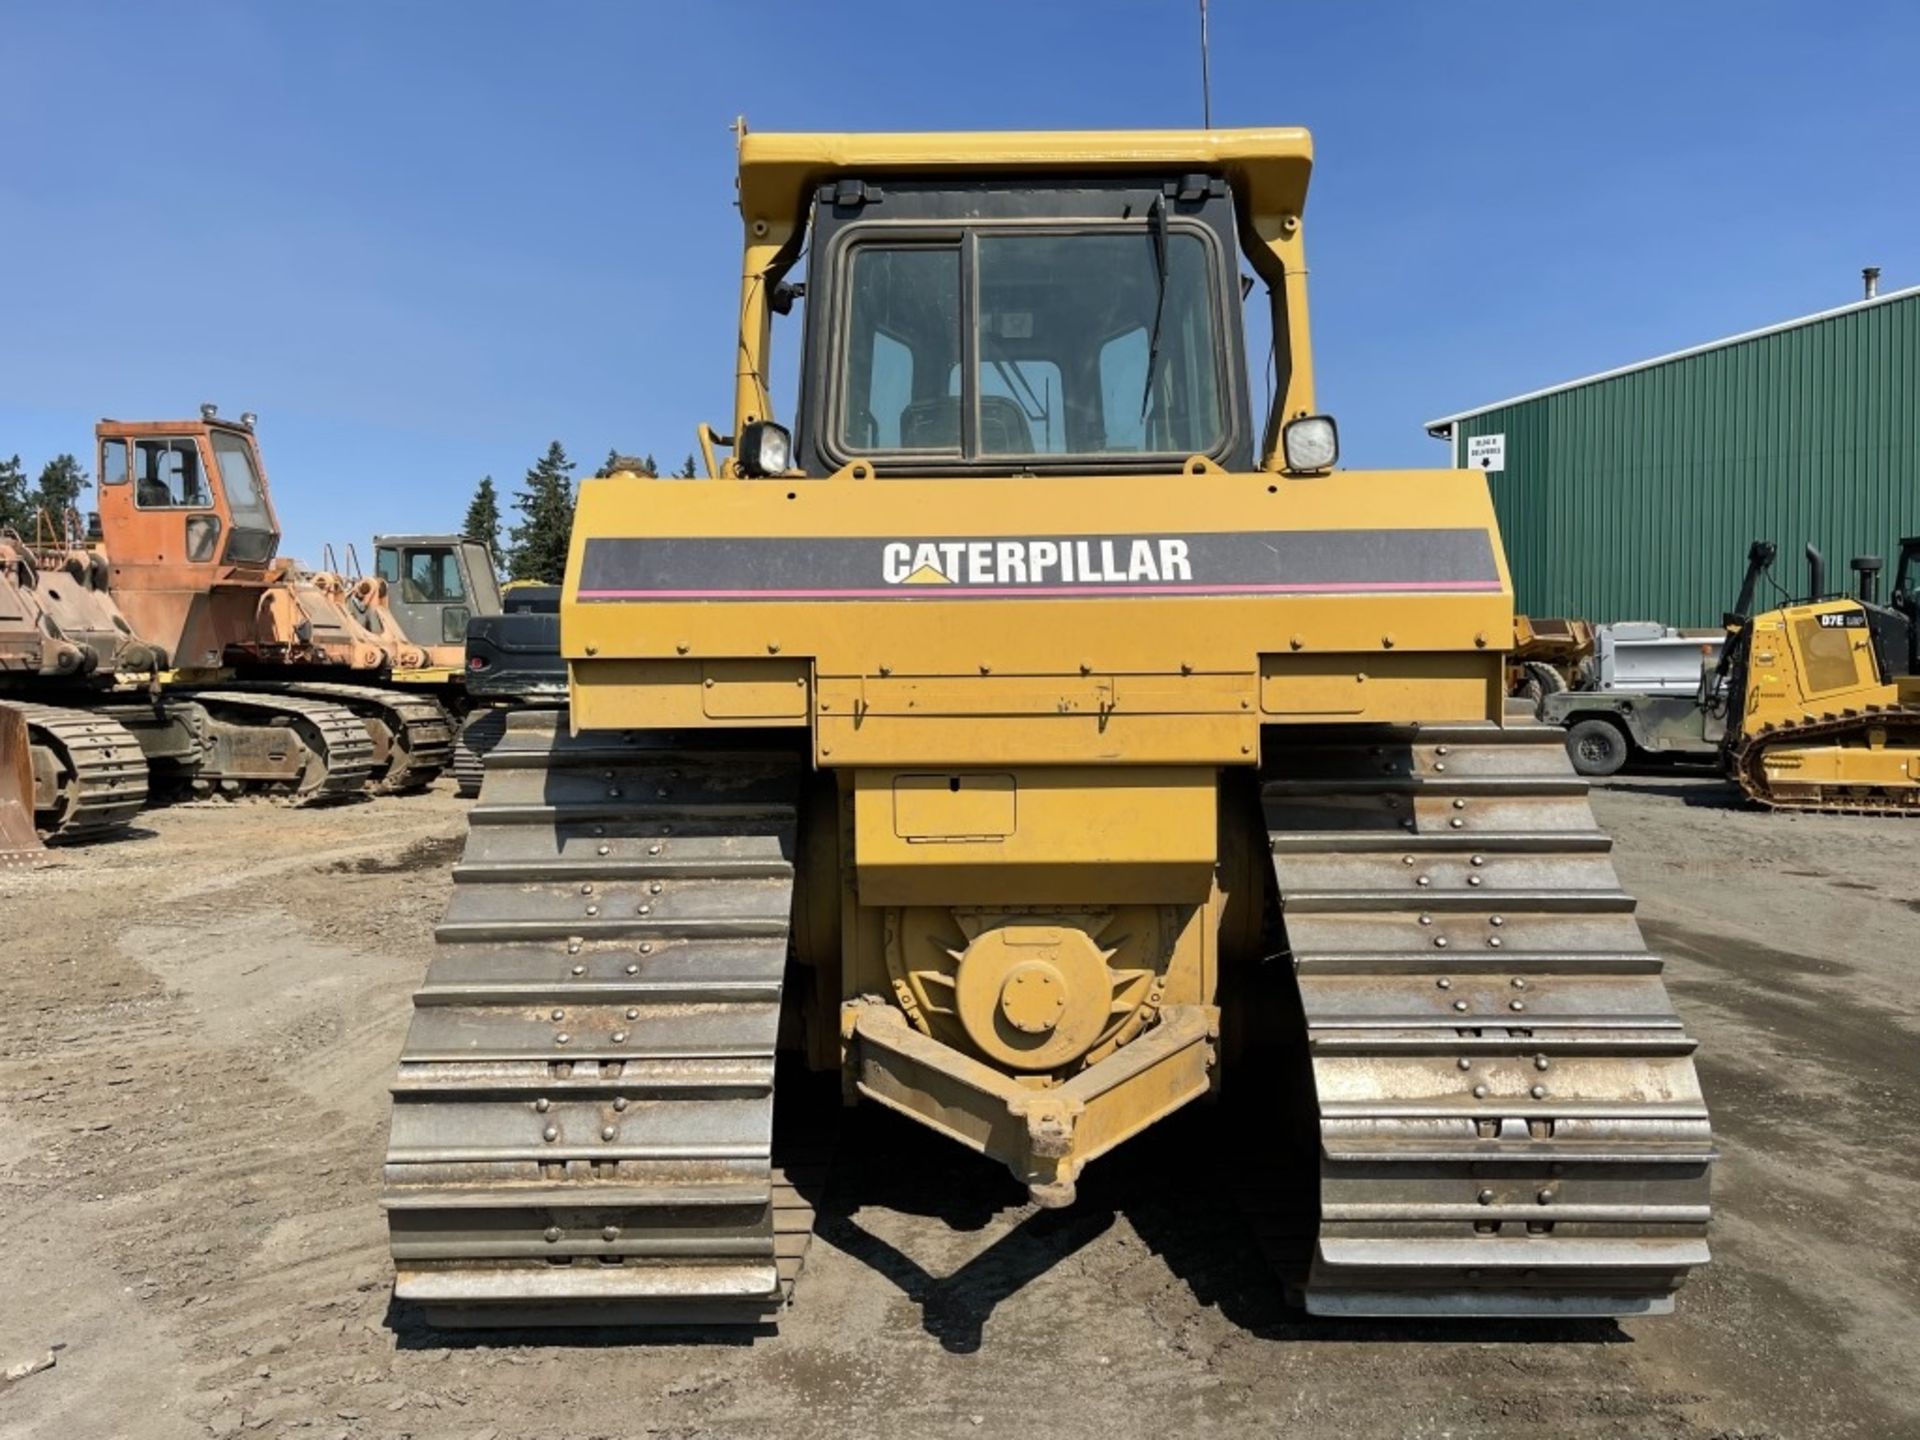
[977,734]
[1819,699]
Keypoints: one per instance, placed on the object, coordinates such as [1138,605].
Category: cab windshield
[253,538]
[1023,342]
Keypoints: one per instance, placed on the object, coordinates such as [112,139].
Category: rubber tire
[1598,747]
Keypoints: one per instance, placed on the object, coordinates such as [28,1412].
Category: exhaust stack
[1816,572]
[1870,279]
[1866,569]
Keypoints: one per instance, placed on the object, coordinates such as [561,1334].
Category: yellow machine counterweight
[968,733]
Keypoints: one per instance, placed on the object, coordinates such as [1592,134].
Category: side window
[450,586]
[113,462]
[903,335]
[167,475]
[386,564]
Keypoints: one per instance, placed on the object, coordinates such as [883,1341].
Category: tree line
[55,494]
[537,548]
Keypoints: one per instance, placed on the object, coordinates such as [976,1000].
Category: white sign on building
[1487,452]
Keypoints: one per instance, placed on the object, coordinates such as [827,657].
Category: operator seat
[935,425]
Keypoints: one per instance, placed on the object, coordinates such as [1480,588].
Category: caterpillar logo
[623,569]
[1004,563]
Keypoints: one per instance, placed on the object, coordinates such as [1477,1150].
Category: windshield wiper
[1157,228]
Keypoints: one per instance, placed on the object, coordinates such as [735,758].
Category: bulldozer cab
[983,305]
[436,583]
[184,493]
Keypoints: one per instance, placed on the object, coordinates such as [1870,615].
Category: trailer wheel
[1597,747]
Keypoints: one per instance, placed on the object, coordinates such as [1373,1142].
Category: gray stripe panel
[1235,558]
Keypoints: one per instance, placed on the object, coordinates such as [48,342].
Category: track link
[1509,1118]
[412,736]
[341,754]
[102,771]
[583,1115]
[478,735]
[1900,726]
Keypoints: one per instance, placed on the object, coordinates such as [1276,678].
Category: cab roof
[1267,168]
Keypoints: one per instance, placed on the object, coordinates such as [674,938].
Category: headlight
[1311,443]
[765,449]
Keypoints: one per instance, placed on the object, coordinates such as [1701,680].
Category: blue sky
[423,239]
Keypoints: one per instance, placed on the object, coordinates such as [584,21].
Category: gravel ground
[197,1026]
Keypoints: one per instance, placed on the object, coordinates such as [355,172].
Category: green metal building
[1633,494]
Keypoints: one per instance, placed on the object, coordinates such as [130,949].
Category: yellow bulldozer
[1818,700]
[980,731]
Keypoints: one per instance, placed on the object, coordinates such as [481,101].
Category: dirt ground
[197,1026]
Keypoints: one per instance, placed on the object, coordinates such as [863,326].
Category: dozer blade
[583,1118]
[1509,1118]
[19,841]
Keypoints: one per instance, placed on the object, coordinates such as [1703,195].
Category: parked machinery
[1548,656]
[970,736]
[1639,695]
[177,649]
[512,661]
[1820,698]
[1812,705]
[432,585]
[63,646]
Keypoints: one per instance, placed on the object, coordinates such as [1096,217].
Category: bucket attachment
[19,841]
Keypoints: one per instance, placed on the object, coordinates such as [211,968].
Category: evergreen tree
[546,500]
[647,467]
[686,470]
[61,481]
[483,516]
[14,506]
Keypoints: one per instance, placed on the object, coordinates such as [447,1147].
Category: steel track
[411,735]
[583,1116]
[333,735]
[106,770]
[1509,1119]
[478,735]
[1748,764]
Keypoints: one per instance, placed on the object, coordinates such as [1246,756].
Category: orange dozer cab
[188,525]
[194,544]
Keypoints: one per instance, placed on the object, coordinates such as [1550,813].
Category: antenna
[1206,73]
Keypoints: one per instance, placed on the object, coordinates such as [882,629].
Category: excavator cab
[185,493]
[435,584]
[189,528]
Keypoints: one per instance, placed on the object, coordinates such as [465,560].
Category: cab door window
[168,475]
[433,578]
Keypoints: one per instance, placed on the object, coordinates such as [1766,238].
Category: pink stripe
[984,592]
